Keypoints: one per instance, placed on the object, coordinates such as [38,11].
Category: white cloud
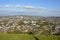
[25,7]
[28,7]
[34,8]
[18,6]
[55,11]
[7,6]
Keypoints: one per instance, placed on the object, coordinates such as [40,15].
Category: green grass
[27,37]
[48,37]
[16,37]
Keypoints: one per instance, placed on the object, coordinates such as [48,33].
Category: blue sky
[30,7]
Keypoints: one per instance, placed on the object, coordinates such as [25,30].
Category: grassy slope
[27,37]
[49,37]
[16,37]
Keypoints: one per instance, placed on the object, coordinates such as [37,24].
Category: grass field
[27,37]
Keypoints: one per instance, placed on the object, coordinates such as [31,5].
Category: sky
[30,7]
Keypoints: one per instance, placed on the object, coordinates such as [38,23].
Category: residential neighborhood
[25,24]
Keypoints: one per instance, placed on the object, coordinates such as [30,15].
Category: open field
[27,37]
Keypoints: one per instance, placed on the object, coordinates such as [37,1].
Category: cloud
[34,8]
[7,6]
[55,11]
[25,7]
[16,11]
[17,6]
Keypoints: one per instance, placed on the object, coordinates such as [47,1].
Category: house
[57,29]
[26,22]
[33,21]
